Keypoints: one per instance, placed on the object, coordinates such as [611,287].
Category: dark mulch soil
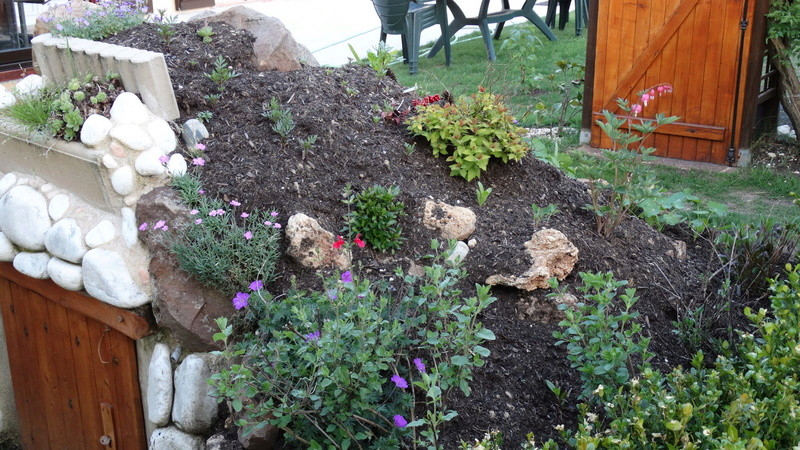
[248,162]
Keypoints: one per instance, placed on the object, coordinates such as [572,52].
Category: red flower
[339,242]
[359,242]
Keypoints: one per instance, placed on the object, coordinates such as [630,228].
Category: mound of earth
[247,161]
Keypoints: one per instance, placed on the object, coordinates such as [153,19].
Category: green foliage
[603,340]
[541,214]
[523,45]
[784,23]
[375,214]
[222,73]
[205,116]
[379,59]
[216,251]
[308,143]
[470,133]
[206,34]
[112,17]
[320,365]
[165,26]
[282,122]
[482,194]
[567,80]
[660,209]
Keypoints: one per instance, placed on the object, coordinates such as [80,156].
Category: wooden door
[75,378]
[697,46]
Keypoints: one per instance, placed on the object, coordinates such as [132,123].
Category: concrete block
[155,85]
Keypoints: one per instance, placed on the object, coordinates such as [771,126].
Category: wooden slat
[131,432]
[710,90]
[692,130]
[126,322]
[84,354]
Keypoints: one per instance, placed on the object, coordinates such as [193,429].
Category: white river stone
[130,231]
[109,161]
[95,130]
[7,182]
[67,275]
[122,180]
[194,410]
[30,85]
[6,98]
[132,136]
[24,218]
[58,206]
[147,163]
[176,166]
[102,232]
[127,108]
[65,240]
[106,278]
[7,250]
[159,386]
[171,438]
[33,265]
[162,135]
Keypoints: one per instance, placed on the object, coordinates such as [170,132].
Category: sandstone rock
[33,265]
[545,310]
[459,253]
[159,386]
[127,109]
[24,218]
[162,135]
[176,166]
[132,136]
[7,250]
[122,180]
[95,130]
[679,251]
[148,163]
[193,131]
[30,85]
[73,10]
[106,278]
[7,182]
[312,246]
[171,438]
[194,410]
[68,276]
[553,255]
[274,46]
[58,206]
[102,232]
[65,240]
[452,222]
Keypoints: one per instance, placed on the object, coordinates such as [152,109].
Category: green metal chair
[408,18]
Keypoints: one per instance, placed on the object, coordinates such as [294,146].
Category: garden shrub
[374,214]
[110,18]
[219,250]
[470,133]
[349,366]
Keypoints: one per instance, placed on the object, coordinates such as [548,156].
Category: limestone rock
[452,222]
[7,182]
[159,386]
[274,46]
[127,108]
[30,85]
[68,276]
[106,278]
[24,218]
[148,163]
[193,131]
[58,206]
[553,255]
[95,130]
[162,135]
[132,136]
[65,240]
[171,438]
[102,233]
[312,246]
[122,180]
[194,410]
[33,265]
[679,250]
[7,250]
[176,166]
[73,10]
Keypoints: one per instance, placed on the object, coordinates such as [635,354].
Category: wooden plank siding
[694,45]
[75,378]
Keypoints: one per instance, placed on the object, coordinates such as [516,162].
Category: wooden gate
[73,366]
[701,47]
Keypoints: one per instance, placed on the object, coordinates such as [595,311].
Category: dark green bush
[374,214]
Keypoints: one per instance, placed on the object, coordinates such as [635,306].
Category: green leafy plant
[221,73]
[205,33]
[205,116]
[353,364]
[212,99]
[470,133]
[282,122]
[375,213]
[567,80]
[542,213]
[784,23]
[112,17]
[482,194]
[523,44]
[165,26]
[307,144]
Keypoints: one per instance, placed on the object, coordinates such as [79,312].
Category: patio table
[484,18]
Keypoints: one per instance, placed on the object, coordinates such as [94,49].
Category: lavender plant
[110,18]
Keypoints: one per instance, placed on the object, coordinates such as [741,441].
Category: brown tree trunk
[790,84]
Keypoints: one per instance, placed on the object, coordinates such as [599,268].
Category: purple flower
[244,215]
[333,294]
[274,214]
[194,212]
[59,27]
[268,223]
[240,300]
[347,277]
[164,228]
[276,225]
[420,365]
[198,161]
[400,421]
[163,159]
[399,381]
[143,226]
[201,191]
[235,203]
[248,235]
[199,146]
[256,285]
[312,336]
[198,221]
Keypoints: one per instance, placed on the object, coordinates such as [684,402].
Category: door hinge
[743,24]
[731,157]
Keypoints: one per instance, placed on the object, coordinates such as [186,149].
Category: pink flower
[339,242]
[240,300]
[274,214]
[248,235]
[244,215]
[164,228]
[198,161]
[235,203]
[143,226]
[636,109]
[358,241]
[159,225]
[201,191]
[645,98]
[276,225]
[268,223]
[199,146]
[198,221]
[163,159]
[194,212]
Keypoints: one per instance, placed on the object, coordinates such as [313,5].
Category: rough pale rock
[312,246]
[95,130]
[65,240]
[30,85]
[194,410]
[546,310]
[24,218]
[7,250]
[148,163]
[679,250]
[7,182]
[132,136]
[553,255]
[127,108]
[274,46]
[130,231]
[122,180]
[176,166]
[102,232]
[68,276]
[33,265]
[58,206]
[193,131]
[452,222]
[162,135]
[159,386]
[459,253]
[106,278]
[171,438]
